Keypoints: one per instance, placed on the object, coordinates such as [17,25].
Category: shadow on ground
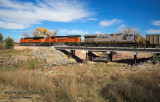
[79,60]
[131,61]
[127,61]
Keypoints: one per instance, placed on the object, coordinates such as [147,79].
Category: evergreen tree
[1,37]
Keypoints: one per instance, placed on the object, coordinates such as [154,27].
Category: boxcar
[153,40]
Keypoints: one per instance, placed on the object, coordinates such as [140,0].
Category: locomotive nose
[136,38]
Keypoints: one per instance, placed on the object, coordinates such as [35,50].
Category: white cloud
[92,19]
[8,25]
[110,22]
[24,14]
[122,26]
[74,31]
[154,31]
[156,23]
[98,32]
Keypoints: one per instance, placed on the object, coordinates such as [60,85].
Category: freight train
[94,40]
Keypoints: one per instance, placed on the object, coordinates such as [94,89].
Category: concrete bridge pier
[86,56]
[110,55]
[73,53]
[69,54]
[135,57]
[90,55]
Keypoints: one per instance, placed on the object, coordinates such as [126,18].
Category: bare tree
[128,30]
[52,33]
[25,34]
[35,33]
[56,32]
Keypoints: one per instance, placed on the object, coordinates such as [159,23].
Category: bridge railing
[124,46]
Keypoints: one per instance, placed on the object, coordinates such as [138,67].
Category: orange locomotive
[53,40]
[32,41]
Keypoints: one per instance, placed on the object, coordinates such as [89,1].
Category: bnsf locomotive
[52,40]
[91,40]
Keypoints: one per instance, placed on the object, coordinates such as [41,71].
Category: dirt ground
[26,47]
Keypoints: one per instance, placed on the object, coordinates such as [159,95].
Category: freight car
[53,40]
[113,40]
[153,40]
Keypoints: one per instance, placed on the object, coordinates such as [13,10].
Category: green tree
[1,37]
[9,42]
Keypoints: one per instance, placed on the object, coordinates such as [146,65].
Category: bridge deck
[132,49]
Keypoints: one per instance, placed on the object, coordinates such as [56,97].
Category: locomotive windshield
[90,36]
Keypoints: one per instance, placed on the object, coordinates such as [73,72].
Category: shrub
[9,43]
[1,38]
[2,47]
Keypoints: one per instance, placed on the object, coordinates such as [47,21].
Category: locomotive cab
[136,38]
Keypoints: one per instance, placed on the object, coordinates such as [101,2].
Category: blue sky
[78,16]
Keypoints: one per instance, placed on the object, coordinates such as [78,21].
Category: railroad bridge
[108,49]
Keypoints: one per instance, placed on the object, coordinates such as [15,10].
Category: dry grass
[99,82]
[70,84]
[136,87]
[27,80]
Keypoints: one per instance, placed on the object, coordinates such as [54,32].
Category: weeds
[31,66]
[73,87]
[99,82]
[137,87]
[87,84]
